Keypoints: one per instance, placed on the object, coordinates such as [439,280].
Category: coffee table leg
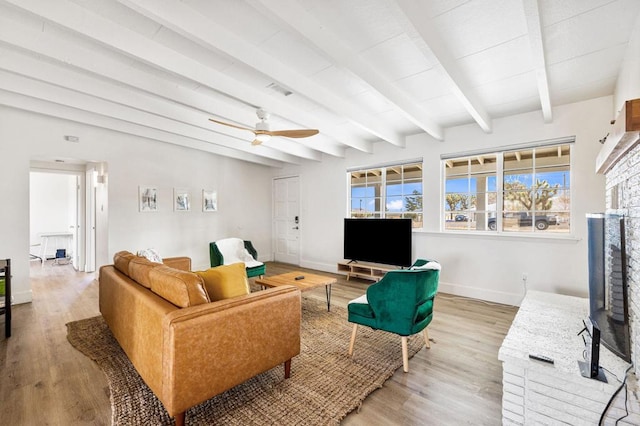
[328,291]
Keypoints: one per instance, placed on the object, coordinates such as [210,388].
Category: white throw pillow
[151,254]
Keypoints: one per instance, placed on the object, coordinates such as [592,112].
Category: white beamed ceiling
[361,71]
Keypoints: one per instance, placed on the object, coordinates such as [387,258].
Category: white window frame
[499,154]
[383,186]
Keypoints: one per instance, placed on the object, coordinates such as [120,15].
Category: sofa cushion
[182,288]
[226,281]
[121,261]
[139,268]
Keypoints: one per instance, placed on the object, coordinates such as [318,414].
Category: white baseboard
[21,297]
[513,299]
[332,268]
[481,293]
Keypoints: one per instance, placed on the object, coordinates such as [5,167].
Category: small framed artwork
[209,201]
[181,200]
[148,198]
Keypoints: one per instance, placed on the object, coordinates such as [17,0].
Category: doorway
[55,216]
[286,220]
[64,218]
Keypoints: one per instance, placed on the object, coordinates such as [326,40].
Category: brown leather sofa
[186,348]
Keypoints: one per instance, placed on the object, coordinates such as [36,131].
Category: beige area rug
[325,384]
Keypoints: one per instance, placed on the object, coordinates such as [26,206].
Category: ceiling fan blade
[301,133]
[231,125]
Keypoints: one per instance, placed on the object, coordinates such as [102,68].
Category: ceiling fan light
[263,138]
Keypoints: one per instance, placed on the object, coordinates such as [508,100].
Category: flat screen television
[386,241]
[608,297]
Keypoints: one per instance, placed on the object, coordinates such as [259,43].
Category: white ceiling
[360,71]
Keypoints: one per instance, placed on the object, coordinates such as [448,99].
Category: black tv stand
[591,367]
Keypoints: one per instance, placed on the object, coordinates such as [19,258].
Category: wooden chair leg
[405,355]
[353,339]
[426,339]
[287,369]
[179,418]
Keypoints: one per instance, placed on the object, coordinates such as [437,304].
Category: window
[523,189]
[390,191]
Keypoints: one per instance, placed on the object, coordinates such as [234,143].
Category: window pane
[394,191]
[535,194]
[457,185]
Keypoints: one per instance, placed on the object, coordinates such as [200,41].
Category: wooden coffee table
[308,282]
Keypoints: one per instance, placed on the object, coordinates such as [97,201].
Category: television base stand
[585,370]
[364,270]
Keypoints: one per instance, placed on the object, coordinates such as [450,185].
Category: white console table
[539,393]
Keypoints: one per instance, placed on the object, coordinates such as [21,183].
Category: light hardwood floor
[43,380]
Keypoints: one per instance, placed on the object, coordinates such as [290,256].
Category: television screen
[386,241]
[608,299]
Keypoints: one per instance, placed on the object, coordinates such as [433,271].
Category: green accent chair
[233,250]
[400,303]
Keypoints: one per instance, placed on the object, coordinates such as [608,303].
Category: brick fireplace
[619,160]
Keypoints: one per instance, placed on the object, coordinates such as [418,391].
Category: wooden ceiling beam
[411,15]
[198,28]
[176,115]
[296,17]
[123,40]
[32,104]
[534,27]
[55,94]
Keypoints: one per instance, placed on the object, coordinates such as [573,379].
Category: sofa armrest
[183,262]
[227,343]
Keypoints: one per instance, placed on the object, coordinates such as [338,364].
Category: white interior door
[286,219]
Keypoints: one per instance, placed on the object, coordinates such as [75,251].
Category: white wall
[244,192]
[481,266]
[628,83]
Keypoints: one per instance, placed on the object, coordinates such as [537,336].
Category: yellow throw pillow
[226,281]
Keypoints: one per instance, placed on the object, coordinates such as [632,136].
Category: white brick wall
[625,175]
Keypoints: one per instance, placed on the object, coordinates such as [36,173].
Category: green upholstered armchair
[401,303]
[233,250]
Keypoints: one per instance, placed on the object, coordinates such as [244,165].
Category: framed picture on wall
[148,198]
[181,200]
[209,201]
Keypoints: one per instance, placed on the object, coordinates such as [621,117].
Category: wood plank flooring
[43,380]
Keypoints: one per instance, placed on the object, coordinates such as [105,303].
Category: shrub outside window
[514,191]
[393,191]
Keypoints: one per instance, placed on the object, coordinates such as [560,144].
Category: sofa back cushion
[139,268]
[182,288]
[226,281]
[121,261]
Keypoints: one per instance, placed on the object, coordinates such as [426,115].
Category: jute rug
[325,384]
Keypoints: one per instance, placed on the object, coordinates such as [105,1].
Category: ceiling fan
[263,131]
